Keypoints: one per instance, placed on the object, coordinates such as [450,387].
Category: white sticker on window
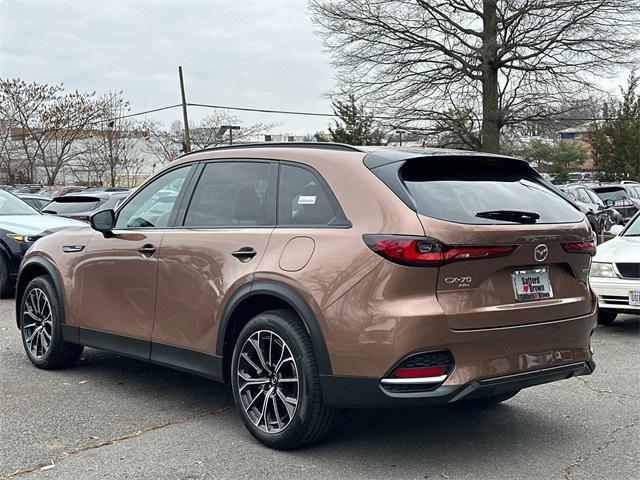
[307,200]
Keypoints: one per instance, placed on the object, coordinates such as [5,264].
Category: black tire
[606,317]
[312,420]
[492,399]
[6,289]
[58,354]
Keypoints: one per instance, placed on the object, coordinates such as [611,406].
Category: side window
[302,199]
[152,206]
[230,194]
[594,198]
[582,196]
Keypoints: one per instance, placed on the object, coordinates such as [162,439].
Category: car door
[120,270]
[226,224]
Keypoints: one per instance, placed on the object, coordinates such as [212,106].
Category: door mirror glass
[103,221]
[609,202]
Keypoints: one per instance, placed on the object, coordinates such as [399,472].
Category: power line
[332,115]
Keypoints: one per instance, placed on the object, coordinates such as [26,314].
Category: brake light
[588,247]
[623,203]
[424,251]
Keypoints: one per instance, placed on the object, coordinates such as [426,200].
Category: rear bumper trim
[413,381]
[367,392]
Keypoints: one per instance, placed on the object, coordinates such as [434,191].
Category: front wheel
[41,327]
[276,385]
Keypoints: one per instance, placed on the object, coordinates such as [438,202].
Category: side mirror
[616,230]
[609,203]
[104,221]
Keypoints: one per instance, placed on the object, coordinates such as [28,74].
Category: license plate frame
[532,284]
[634,297]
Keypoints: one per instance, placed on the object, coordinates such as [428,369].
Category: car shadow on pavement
[630,324]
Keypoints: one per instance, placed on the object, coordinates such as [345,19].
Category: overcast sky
[249,53]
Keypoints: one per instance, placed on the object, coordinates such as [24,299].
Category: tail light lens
[588,247]
[623,203]
[428,252]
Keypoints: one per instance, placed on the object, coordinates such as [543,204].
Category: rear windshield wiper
[517,216]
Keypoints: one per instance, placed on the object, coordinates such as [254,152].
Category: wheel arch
[260,296]
[32,268]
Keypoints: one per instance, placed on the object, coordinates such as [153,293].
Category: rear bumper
[366,392]
[613,293]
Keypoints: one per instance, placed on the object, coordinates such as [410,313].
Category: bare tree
[115,144]
[48,123]
[166,145]
[512,60]
[207,133]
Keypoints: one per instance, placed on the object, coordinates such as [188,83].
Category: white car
[615,273]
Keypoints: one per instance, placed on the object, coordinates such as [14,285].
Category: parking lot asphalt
[111,417]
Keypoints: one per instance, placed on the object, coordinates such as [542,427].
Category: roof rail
[316,145]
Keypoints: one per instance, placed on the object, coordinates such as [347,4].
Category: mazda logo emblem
[541,252]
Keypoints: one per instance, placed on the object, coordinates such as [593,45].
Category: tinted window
[81,204]
[612,193]
[230,194]
[457,190]
[152,205]
[302,199]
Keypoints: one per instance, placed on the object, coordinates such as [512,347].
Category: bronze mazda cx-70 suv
[314,277]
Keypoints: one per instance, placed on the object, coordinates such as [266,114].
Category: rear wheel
[41,327]
[606,317]
[276,384]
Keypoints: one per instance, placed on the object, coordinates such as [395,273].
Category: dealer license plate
[532,284]
[634,297]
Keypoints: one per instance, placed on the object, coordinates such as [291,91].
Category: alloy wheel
[268,382]
[37,323]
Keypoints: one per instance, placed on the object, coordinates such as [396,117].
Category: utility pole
[399,132]
[187,136]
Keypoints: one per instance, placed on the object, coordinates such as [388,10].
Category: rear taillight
[588,247]
[623,203]
[424,251]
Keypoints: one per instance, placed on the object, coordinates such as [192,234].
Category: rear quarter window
[456,190]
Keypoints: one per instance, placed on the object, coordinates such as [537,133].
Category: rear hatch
[78,207]
[519,253]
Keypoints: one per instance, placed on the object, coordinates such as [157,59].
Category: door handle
[147,250]
[244,254]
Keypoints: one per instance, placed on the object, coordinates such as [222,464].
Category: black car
[624,197]
[20,226]
[80,206]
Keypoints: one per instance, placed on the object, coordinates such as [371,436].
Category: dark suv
[314,277]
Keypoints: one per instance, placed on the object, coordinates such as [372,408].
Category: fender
[297,303]
[70,334]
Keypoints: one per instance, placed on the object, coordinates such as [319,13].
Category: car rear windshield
[475,191]
[612,193]
[64,206]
